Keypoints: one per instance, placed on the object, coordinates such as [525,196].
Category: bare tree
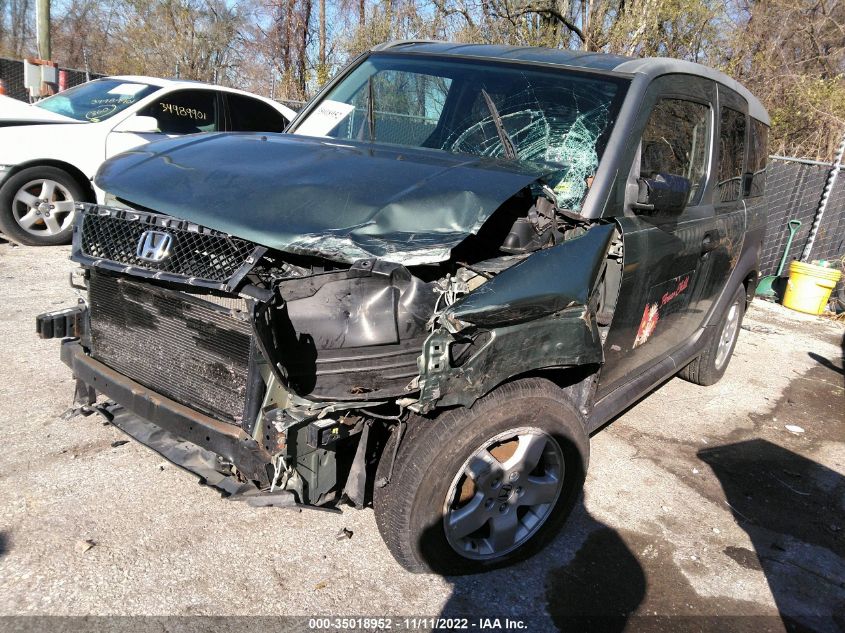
[3,10]
[791,53]
[19,33]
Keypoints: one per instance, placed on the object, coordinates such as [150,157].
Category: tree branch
[551,12]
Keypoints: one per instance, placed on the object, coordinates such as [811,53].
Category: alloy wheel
[43,207]
[727,336]
[503,493]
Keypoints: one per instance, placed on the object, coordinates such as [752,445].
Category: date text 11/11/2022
[413,624]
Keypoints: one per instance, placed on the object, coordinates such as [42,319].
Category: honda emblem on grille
[154,246]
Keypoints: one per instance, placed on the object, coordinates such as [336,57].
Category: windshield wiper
[371,112]
[507,143]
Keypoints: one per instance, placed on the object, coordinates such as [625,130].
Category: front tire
[37,206]
[479,488]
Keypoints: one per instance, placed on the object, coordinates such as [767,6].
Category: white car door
[170,114]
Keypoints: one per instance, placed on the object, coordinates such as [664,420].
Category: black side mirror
[663,193]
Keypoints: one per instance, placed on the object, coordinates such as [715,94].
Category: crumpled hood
[340,200]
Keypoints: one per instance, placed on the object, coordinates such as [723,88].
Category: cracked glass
[550,116]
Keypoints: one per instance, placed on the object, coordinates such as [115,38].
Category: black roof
[581,59]
[650,66]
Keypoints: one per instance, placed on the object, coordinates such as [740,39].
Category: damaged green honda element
[458,263]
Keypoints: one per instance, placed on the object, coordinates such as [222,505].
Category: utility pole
[322,32]
[42,24]
[321,65]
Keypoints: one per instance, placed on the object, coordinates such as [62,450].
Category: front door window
[676,141]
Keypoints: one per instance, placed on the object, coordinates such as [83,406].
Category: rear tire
[37,206]
[709,367]
[511,505]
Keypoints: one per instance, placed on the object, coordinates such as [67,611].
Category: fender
[535,315]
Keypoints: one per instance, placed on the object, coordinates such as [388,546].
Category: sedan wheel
[38,205]
[44,208]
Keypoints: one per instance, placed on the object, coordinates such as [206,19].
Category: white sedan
[50,151]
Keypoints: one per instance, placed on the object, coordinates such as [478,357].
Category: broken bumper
[231,443]
[61,324]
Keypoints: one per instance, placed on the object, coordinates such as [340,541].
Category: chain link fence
[12,74]
[793,191]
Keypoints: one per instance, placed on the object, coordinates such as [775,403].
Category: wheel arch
[72,170]
[745,275]
[576,381]
[750,284]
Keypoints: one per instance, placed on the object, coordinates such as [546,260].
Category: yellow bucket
[808,288]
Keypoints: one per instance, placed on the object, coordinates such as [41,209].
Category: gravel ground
[699,502]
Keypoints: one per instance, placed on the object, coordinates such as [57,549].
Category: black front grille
[184,347]
[196,252]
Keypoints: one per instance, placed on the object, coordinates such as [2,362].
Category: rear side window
[252,115]
[758,149]
[184,112]
[676,141]
[731,154]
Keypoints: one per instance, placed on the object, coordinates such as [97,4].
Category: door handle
[709,243]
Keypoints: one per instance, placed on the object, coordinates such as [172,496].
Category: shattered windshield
[97,100]
[500,110]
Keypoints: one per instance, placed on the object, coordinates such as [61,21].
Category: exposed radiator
[184,347]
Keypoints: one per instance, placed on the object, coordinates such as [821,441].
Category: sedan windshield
[97,100]
[501,110]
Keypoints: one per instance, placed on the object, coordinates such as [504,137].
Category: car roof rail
[395,43]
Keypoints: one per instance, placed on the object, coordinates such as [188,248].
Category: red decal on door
[661,303]
[651,316]
[668,296]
